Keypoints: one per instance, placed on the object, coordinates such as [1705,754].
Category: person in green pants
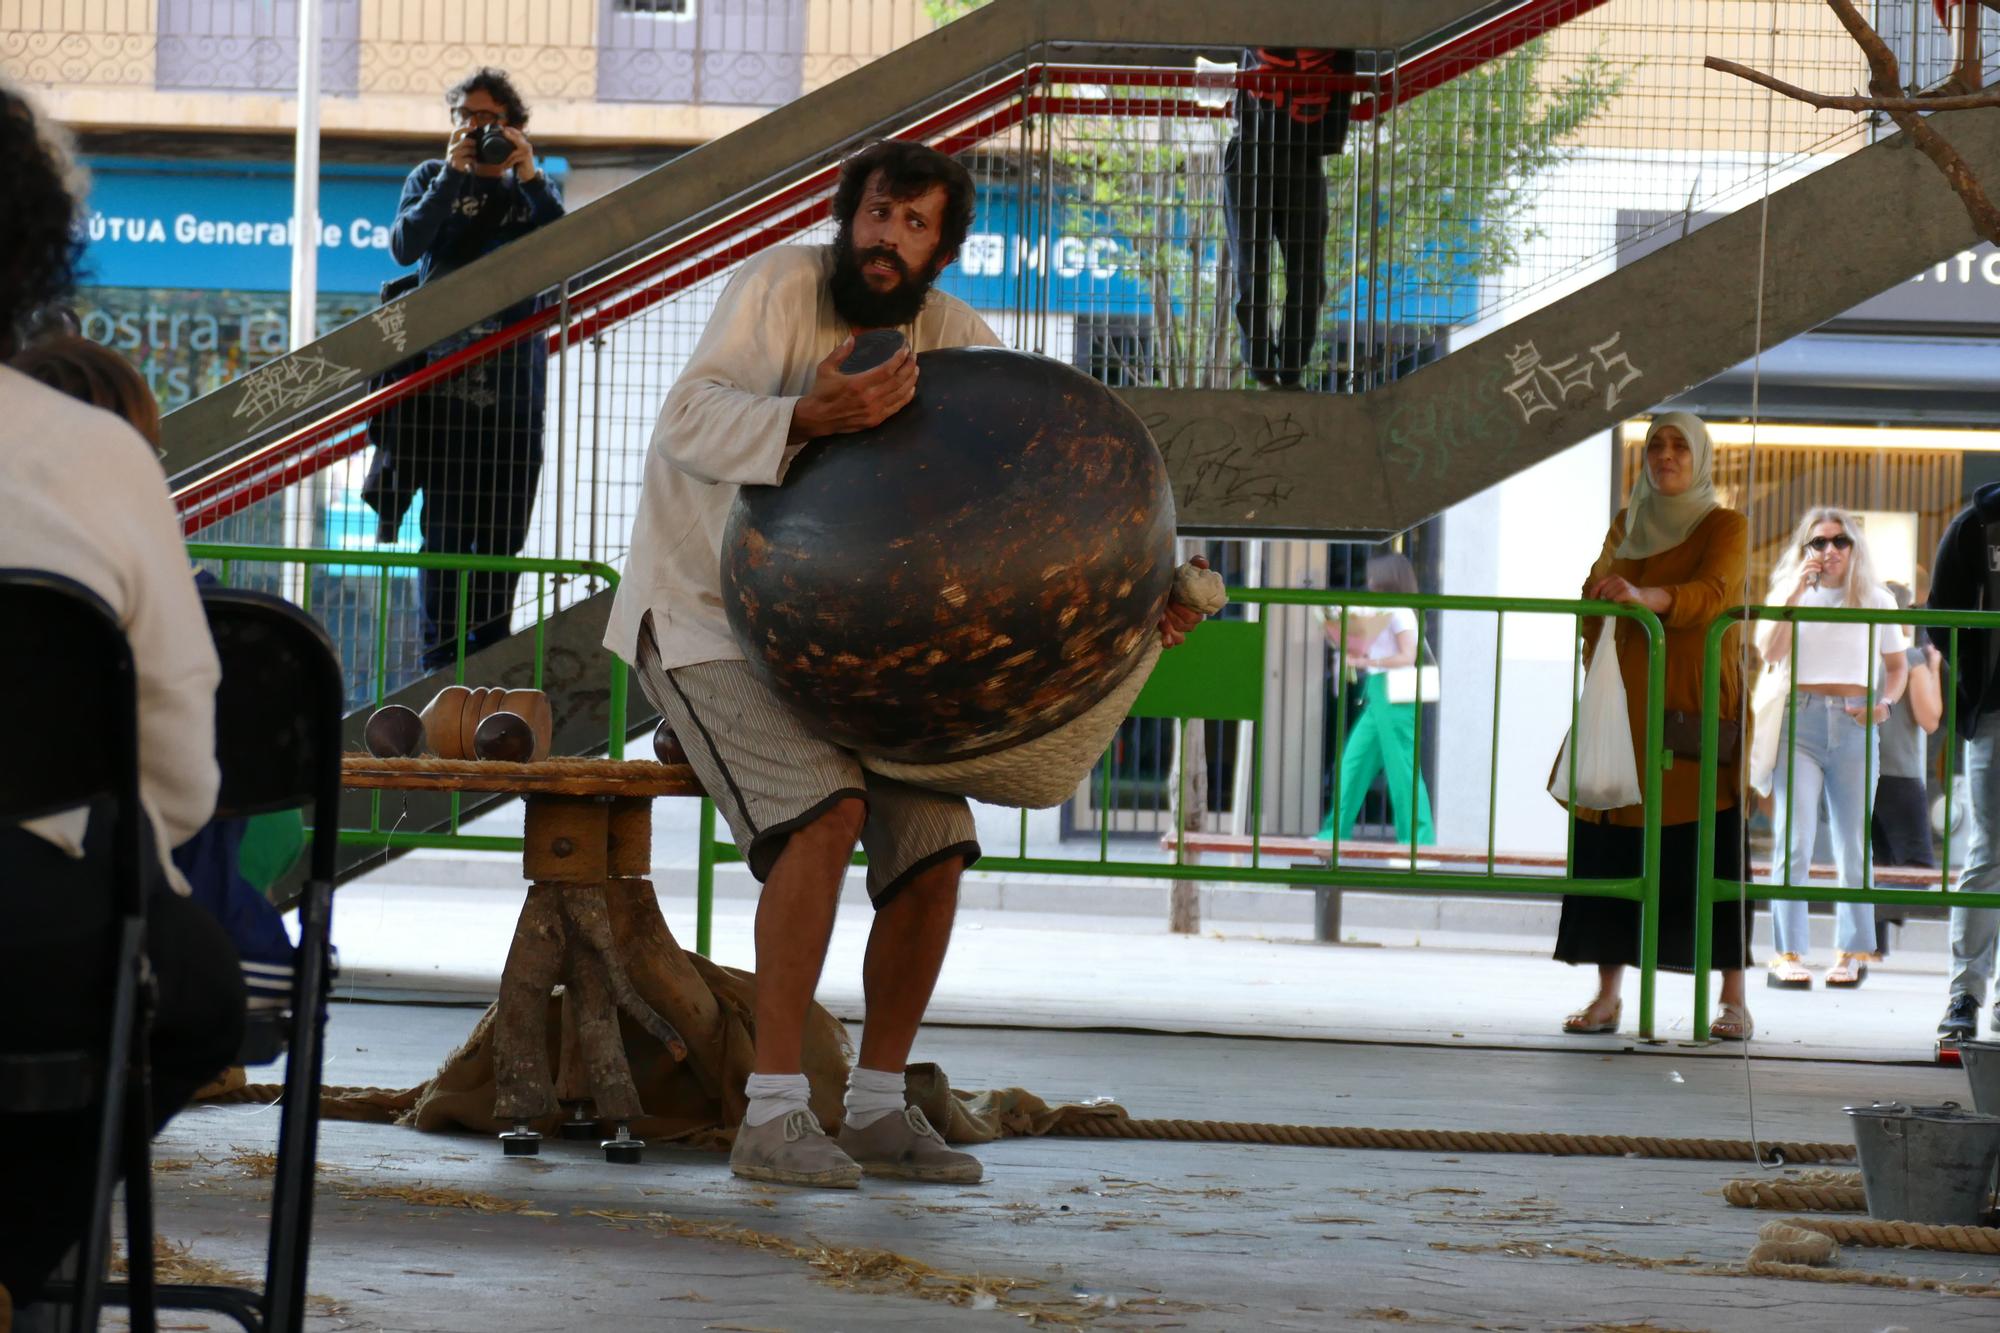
[1383,739]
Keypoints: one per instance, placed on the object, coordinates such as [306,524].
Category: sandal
[1850,971]
[1786,972]
[1580,1023]
[1732,1023]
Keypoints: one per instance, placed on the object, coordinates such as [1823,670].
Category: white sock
[872,1094]
[773,1096]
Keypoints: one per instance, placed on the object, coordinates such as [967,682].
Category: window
[655,9]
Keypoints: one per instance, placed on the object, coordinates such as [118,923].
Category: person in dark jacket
[473,443]
[1965,576]
[1288,118]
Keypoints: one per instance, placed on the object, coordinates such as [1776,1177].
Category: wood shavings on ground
[256,1165]
[176,1262]
[1700,1268]
[878,1270]
[436,1196]
[1118,1184]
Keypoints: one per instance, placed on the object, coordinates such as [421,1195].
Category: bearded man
[764,381]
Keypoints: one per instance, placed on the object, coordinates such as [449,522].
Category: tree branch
[1885,86]
[1828,102]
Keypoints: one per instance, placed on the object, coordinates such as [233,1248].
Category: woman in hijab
[1678,552]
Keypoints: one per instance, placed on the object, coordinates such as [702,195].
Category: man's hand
[1180,618]
[841,403]
[522,160]
[462,150]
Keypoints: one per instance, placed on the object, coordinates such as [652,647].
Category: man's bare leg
[794,924]
[906,949]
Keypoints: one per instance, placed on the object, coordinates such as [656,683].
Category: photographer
[473,443]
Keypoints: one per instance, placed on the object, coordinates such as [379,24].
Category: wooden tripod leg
[520,1021]
[599,1041]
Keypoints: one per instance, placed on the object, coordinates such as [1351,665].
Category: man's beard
[864,307]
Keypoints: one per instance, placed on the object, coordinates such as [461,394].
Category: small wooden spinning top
[393,732]
[504,736]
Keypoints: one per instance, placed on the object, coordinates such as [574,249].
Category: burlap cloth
[680,1104]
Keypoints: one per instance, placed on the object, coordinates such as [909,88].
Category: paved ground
[1123,1235]
[1022,968]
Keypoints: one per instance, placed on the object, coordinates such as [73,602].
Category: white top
[1838,654]
[725,424]
[85,499]
[1402,620]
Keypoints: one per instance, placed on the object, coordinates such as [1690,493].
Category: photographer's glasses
[1840,543]
[461,116]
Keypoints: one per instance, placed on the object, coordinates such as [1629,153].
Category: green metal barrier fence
[1218,675]
[230,560]
[1712,890]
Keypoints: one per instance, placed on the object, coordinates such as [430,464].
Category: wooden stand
[593,926]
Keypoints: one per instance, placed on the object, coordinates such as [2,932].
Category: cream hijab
[1656,522]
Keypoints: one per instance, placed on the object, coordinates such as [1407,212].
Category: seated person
[86,500]
[218,872]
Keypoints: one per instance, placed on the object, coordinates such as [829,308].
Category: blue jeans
[1836,759]
[1976,930]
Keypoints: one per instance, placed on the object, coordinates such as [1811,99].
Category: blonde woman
[1828,751]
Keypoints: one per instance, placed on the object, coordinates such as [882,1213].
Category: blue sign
[1088,267]
[228,225]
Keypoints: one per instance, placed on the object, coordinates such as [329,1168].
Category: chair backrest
[277,712]
[71,734]
[1217,675]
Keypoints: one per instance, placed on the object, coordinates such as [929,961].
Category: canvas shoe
[907,1148]
[792,1150]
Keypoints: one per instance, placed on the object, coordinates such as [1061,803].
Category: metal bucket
[1930,1164]
[1982,1066]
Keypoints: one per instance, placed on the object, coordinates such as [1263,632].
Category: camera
[494,147]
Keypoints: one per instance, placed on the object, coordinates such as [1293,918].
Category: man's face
[896,239]
[891,258]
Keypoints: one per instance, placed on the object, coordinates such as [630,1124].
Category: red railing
[305,451]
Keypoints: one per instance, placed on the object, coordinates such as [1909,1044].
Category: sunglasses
[1840,543]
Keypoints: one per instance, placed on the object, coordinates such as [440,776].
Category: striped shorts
[769,774]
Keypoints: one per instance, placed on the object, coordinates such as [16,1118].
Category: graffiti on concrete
[1427,434]
[1234,463]
[1542,385]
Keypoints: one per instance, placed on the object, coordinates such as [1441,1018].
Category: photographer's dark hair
[39,245]
[496,85]
[908,170]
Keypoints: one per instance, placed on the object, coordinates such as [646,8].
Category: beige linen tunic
[725,424]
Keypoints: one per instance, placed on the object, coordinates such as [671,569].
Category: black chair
[73,740]
[278,724]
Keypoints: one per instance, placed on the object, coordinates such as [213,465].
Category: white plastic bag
[1607,774]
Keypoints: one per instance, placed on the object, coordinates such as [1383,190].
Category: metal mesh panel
[1472,184]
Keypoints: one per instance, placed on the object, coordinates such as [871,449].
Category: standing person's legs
[1360,761]
[1302,225]
[1399,768]
[796,804]
[446,521]
[1797,785]
[1975,931]
[1246,214]
[502,511]
[1852,762]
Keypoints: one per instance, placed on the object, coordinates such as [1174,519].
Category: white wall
[1534,535]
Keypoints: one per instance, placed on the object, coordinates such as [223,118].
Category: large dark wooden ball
[972,573]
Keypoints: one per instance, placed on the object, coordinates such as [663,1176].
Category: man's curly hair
[40,249]
[496,85]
